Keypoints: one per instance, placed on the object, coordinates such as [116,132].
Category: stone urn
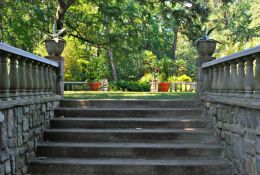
[55,48]
[206,48]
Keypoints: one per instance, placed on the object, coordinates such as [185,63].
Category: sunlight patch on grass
[127,95]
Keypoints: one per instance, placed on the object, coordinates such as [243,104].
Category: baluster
[22,77]
[233,78]
[226,78]
[4,78]
[29,82]
[50,79]
[34,78]
[46,80]
[54,77]
[215,79]
[14,80]
[185,87]
[210,79]
[241,76]
[220,84]
[205,80]
[257,76]
[37,79]
[41,79]
[249,79]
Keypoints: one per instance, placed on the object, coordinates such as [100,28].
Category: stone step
[96,123]
[128,150]
[130,135]
[129,112]
[70,166]
[126,103]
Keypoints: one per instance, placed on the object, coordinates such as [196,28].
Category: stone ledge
[235,101]
[22,102]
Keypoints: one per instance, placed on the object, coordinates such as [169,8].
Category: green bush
[130,86]
[184,78]
[147,78]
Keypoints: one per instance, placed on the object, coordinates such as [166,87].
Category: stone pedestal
[60,74]
[200,74]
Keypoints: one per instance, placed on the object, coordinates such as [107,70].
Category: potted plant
[54,43]
[164,85]
[206,46]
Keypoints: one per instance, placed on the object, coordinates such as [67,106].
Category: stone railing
[184,87]
[231,98]
[25,75]
[30,90]
[234,75]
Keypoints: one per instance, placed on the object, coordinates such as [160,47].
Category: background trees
[111,38]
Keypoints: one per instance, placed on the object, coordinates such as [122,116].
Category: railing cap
[240,54]
[20,52]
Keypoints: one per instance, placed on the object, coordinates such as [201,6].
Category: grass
[127,95]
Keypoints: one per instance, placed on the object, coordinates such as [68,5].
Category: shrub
[130,86]
[184,78]
[147,78]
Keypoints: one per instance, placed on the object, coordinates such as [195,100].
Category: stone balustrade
[25,75]
[236,75]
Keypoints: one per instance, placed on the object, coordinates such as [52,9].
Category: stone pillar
[4,77]
[22,78]
[233,79]
[226,85]
[200,75]
[241,76]
[60,74]
[257,76]
[14,80]
[249,79]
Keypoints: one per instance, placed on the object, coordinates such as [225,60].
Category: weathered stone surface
[10,122]
[239,129]
[2,117]
[21,128]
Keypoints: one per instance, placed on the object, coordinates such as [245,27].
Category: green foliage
[147,78]
[183,78]
[130,86]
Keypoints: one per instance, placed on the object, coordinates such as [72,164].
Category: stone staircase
[129,137]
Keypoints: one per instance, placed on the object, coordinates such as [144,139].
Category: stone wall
[21,128]
[237,123]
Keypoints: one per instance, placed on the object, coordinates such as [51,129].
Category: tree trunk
[175,40]
[62,8]
[111,57]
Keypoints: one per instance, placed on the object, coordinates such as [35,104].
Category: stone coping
[28,101]
[27,55]
[235,101]
[232,57]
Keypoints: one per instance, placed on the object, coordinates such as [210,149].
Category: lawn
[127,95]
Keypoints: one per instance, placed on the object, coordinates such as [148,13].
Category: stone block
[220,124]
[258,145]
[250,167]
[250,147]
[43,108]
[12,142]
[49,106]
[258,164]
[250,134]
[242,118]
[33,107]
[35,119]
[229,152]
[219,114]
[7,165]
[239,148]
[18,112]
[10,122]
[26,125]
[228,138]
[19,135]
[26,109]
[2,117]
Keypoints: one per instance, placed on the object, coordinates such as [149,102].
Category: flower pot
[206,48]
[54,48]
[94,86]
[164,86]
